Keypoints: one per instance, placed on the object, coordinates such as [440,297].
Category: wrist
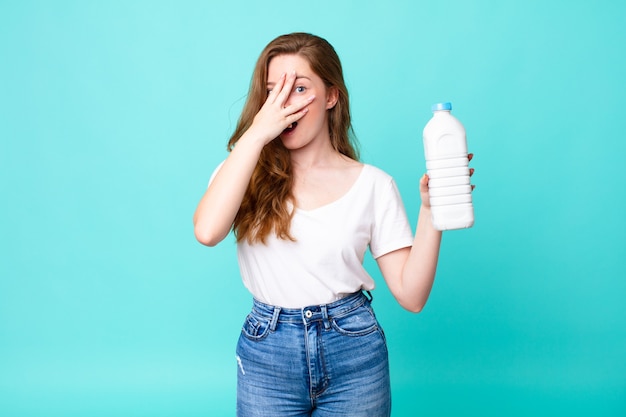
[425,216]
[252,139]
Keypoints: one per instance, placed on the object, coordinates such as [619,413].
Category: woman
[304,210]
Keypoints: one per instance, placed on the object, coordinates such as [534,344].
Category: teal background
[113,115]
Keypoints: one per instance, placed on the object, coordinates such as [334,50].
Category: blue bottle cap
[442,106]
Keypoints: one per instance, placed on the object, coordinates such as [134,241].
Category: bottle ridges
[449,181]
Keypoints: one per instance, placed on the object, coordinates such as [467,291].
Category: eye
[300,89]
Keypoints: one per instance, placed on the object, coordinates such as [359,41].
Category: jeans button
[308,314]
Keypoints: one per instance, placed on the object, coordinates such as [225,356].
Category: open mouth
[291,127]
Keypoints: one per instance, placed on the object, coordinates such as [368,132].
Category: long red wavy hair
[268,203]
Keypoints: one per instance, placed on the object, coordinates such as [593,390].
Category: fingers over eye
[288,82]
[273,91]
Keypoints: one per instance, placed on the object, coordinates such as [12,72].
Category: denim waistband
[308,314]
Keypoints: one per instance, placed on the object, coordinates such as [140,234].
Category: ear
[331,97]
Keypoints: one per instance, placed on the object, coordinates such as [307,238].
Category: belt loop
[369,296]
[325,317]
[274,321]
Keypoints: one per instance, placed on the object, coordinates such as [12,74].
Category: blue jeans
[328,360]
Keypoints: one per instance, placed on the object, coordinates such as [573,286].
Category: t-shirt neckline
[338,200]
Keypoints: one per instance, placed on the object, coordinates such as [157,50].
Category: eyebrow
[297,78]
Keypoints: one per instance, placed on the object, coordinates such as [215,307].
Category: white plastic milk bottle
[445,149]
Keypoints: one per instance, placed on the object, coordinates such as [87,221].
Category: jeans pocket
[358,322]
[255,328]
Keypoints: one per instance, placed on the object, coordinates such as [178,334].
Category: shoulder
[376,174]
[382,184]
[377,183]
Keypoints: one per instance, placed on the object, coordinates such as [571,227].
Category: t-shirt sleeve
[391,230]
[215,171]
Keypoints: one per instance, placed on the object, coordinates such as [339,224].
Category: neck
[317,154]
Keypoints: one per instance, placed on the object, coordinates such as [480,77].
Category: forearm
[420,267]
[218,207]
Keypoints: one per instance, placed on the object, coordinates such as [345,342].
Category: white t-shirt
[325,263]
